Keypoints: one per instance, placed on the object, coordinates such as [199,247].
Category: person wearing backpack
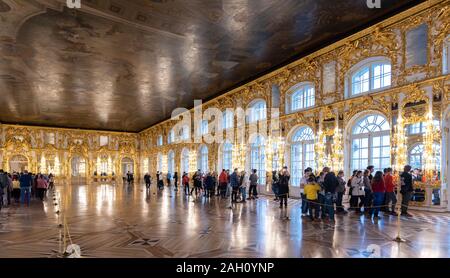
[26,182]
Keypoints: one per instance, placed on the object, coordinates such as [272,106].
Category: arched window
[300,97]
[371,75]
[370,143]
[159,163]
[203,159]
[302,153]
[258,158]
[171,137]
[227,156]
[257,111]
[416,159]
[171,162]
[227,119]
[184,161]
[159,140]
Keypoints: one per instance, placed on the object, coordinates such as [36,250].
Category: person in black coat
[283,187]
[175,180]
[406,189]
[330,184]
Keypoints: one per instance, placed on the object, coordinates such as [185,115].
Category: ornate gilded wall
[418,88]
[34,144]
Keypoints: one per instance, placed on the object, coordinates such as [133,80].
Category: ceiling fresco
[125,65]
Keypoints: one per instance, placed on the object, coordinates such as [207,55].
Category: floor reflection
[129,221]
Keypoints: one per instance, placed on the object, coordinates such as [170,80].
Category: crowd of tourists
[21,187]
[322,194]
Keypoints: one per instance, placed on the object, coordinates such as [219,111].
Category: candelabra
[57,166]
[320,150]
[338,153]
[400,145]
[192,162]
[429,155]
[43,167]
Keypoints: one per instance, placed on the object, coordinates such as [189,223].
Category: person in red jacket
[185,181]
[378,190]
[223,182]
[390,191]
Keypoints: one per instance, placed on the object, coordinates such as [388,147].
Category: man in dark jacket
[330,184]
[406,189]
[3,186]
[25,181]
[283,187]
[234,182]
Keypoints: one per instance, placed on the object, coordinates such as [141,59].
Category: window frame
[303,90]
[370,136]
[251,116]
[369,64]
[298,141]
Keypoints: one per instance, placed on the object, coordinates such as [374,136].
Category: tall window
[103,140]
[416,159]
[275,158]
[227,119]
[370,77]
[446,55]
[203,159]
[258,158]
[185,161]
[184,133]
[227,156]
[159,163]
[171,137]
[257,111]
[50,138]
[203,127]
[171,162]
[159,140]
[302,98]
[302,153]
[370,143]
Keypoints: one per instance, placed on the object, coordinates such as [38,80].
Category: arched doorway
[18,163]
[78,166]
[127,166]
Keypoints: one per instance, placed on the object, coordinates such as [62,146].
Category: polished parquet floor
[126,221]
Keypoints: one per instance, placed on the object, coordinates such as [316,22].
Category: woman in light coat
[358,189]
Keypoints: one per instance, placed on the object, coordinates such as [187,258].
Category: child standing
[312,189]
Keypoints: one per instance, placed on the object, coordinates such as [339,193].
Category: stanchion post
[398,238]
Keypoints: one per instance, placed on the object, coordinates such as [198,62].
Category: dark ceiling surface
[86,71]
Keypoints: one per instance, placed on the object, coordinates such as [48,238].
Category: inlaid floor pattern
[127,221]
